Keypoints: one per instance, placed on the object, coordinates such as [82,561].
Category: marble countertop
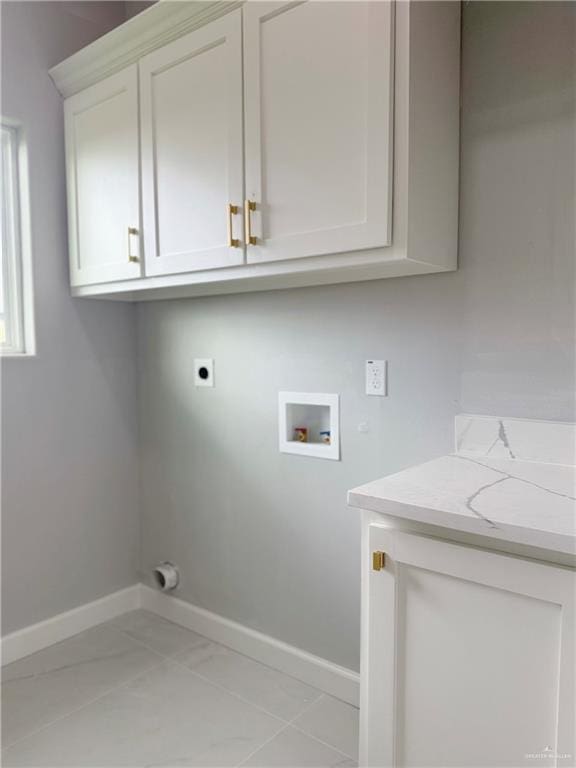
[485,491]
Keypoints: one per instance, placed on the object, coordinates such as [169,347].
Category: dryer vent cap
[166,576]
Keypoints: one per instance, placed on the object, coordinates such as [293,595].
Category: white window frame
[16,246]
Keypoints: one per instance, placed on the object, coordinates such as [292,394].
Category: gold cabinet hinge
[378,561]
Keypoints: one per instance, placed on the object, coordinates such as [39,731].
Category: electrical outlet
[204,372]
[377,377]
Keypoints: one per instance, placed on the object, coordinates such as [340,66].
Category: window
[16,324]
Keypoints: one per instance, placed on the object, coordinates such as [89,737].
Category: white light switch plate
[377,377]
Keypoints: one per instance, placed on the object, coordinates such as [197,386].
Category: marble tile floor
[142,691]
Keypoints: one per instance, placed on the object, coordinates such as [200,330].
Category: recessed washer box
[317,414]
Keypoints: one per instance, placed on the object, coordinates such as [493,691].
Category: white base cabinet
[467,655]
[267,144]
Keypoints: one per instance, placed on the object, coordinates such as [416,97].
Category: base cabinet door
[468,656]
[103,180]
[318,84]
[192,174]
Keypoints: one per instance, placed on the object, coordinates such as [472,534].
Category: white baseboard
[34,638]
[320,673]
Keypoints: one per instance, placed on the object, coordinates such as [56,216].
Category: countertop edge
[450,520]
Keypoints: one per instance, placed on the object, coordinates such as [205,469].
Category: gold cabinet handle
[131,257]
[249,206]
[378,561]
[233,242]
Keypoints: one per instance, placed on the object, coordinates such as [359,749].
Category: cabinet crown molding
[165,21]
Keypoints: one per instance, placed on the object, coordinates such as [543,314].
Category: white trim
[34,638]
[322,674]
[16,244]
[26,263]
[126,44]
[373,264]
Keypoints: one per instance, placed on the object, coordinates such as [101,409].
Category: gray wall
[266,538]
[517,243]
[70,526]
[261,537]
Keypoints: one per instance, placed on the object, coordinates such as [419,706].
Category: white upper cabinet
[192,181]
[318,104]
[103,180]
[282,144]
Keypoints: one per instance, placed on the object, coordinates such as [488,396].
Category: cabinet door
[468,657]
[103,180]
[191,98]
[318,91]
